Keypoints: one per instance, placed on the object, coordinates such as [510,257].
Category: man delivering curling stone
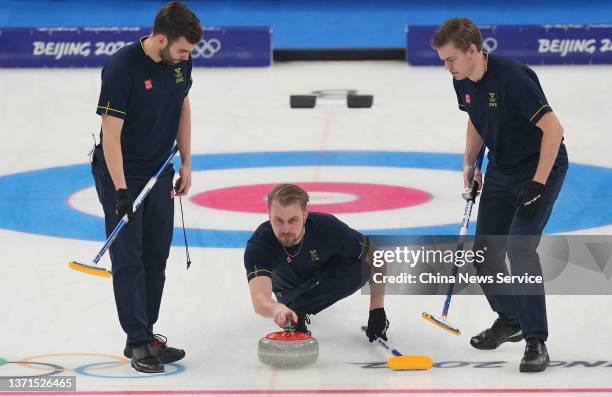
[309,261]
[510,114]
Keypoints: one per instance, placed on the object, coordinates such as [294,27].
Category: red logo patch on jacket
[148,85]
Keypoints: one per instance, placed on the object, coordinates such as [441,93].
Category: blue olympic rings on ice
[83,370]
[56,369]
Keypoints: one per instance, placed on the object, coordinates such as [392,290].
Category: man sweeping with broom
[509,113]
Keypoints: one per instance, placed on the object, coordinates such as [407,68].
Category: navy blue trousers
[339,281]
[139,253]
[503,233]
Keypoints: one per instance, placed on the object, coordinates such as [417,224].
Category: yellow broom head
[89,269]
[407,363]
[442,324]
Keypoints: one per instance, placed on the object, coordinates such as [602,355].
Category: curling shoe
[160,349]
[144,360]
[536,356]
[501,331]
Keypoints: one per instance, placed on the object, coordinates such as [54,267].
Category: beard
[166,57]
[290,239]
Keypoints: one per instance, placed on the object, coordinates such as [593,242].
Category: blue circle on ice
[37,201]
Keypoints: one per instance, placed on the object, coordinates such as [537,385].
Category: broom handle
[383,343]
[143,193]
[469,203]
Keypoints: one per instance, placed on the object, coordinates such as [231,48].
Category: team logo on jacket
[148,85]
[492,100]
[468,99]
[178,75]
[314,255]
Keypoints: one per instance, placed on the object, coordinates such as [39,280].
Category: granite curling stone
[287,349]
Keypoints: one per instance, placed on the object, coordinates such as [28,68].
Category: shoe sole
[516,338]
[146,371]
[129,355]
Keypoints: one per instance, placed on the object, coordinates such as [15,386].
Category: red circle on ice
[333,197]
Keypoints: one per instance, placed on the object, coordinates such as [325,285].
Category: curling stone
[288,349]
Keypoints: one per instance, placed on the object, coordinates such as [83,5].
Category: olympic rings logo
[108,361]
[489,45]
[206,49]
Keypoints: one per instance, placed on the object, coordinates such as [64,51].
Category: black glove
[125,202]
[529,200]
[377,325]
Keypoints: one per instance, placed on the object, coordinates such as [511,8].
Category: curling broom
[470,198]
[94,268]
[398,362]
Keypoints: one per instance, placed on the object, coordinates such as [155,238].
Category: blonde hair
[287,194]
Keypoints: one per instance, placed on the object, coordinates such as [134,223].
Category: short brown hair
[175,20]
[462,32]
[287,194]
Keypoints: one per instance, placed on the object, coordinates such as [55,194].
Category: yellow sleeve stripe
[254,272]
[539,110]
[365,245]
[107,108]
